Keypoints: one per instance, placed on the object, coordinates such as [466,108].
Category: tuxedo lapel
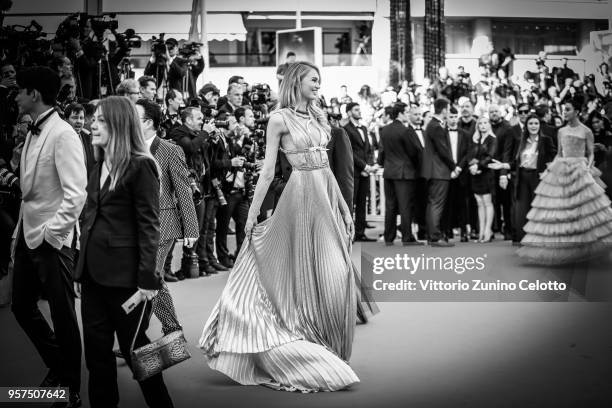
[29,169]
[356,134]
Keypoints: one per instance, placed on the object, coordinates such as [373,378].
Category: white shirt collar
[149,142]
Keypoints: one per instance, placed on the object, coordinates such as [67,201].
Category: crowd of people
[490,122]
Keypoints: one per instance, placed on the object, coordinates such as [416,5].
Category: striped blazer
[177,216]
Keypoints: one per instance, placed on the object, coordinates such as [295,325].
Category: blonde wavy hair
[290,92]
[125,136]
[477,134]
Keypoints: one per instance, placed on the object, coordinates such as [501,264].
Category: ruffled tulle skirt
[286,317]
[571,217]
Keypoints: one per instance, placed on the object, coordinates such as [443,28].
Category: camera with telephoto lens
[196,193]
[260,94]
[9,181]
[217,186]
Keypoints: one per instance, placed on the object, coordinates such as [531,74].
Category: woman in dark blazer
[480,155]
[534,152]
[120,235]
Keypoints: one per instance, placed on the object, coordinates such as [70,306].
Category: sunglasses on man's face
[523,112]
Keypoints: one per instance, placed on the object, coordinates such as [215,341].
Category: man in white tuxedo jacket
[53,181]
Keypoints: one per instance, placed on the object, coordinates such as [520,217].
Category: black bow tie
[35,129]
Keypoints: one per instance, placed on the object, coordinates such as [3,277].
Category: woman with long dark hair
[118,250]
[287,315]
[602,135]
[535,151]
[481,153]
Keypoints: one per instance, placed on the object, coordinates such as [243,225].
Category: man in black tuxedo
[415,123]
[363,164]
[400,156]
[340,156]
[506,175]
[455,213]
[439,172]
[503,196]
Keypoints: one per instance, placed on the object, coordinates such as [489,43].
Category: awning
[219,27]
[225,27]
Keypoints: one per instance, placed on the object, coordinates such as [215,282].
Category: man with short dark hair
[455,213]
[543,112]
[75,115]
[8,107]
[439,172]
[363,159]
[177,216]
[53,181]
[208,98]
[400,157]
[148,88]
[282,68]
[171,120]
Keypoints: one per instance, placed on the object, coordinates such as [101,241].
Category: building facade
[355,33]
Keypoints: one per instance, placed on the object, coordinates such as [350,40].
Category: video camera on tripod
[23,43]
[159,49]
[189,49]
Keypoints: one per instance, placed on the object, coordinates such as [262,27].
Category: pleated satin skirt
[286,317]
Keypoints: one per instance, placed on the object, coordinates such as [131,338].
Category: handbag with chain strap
[160,354]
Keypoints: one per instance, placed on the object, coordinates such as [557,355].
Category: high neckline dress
[287,315]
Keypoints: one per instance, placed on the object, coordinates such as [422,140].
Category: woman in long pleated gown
[287,314]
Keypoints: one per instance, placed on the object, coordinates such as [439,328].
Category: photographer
[96,53]
[163,54]
[227,166]
[239,183]
[193,137]
[172,120]
[234,101]
[8,106]
[186,68]
[148,88]
[207,99]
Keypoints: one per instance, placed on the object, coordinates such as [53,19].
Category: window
[531,37]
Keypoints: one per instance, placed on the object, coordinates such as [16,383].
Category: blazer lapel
[102,189]
[29,169]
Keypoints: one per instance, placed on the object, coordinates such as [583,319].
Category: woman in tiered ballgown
[571,217]
[287,314]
